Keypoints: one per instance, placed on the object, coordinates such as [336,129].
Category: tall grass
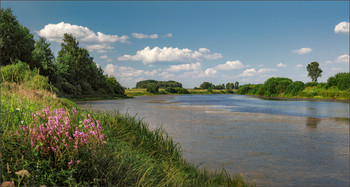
[128,155]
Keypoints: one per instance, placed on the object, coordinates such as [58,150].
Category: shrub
[340,80]
[152,88]
[294,88]
[15,72]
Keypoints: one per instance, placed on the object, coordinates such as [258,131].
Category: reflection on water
[297,143]
[311,123]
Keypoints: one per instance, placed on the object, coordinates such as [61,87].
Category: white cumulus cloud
[281,65]
[144,36]
[248,72]
[229,65]
[168,54]
[104,56]
[302,51]
[210,72]
[185,67]
[342,27]
[93,41]
[122,71]
[298,66]
[265,70]
[343,58]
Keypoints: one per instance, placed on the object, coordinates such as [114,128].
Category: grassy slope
[132,155]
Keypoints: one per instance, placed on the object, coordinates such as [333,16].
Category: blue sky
[193,42]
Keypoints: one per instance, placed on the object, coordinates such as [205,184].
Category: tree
[314,71]
[43,59]
[206,85]
[236,85]
[152,88]
[16,41]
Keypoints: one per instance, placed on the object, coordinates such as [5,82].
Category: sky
[197,41]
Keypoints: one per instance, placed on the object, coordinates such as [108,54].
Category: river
[271,142]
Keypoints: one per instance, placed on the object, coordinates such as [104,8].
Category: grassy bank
[45,141]
[143,92]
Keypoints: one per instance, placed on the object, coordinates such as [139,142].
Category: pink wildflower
[78,161]
[71,162]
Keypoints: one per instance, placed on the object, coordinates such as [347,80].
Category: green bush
[14,72]
[275,86]
[152,88]
[341,80]
[294,88]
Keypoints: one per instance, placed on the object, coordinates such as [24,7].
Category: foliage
[244,89]
[152,88]
[78,74]
[161,84]
[275,86]
[230,86]
[16,41]
[43,59]
[314,71]
[294,88]
[340,80]
[206,85]
[177,90]
[236,85]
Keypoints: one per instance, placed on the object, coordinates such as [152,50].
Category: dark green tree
[314,71]
[236,85]
[206,85]
[43,59]
[152,88]
[16,41]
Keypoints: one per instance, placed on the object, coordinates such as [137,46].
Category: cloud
[302,51]
[230,65]
[342,27]
[252,72]
[265,70]
[185,67]
[109,60]
[299,66]
[168,54]
[167,75]
[122,71]
[343,59]
[281,65]
[94,41]
[210,72]
[169,35]
[248,72]
[144,36]
[104,57]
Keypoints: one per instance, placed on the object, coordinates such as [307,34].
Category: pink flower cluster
[53,132]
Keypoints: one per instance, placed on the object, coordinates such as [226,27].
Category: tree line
[73,72]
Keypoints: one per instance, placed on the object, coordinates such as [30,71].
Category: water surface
[271,142]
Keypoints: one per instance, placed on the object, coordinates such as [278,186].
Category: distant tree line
[73,72]
[208,85]
[279,85]
[160,84]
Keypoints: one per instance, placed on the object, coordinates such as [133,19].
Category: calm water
[271,142]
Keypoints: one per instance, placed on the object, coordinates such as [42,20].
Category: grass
[129,155]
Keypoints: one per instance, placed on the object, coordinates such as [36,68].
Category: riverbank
[78,147]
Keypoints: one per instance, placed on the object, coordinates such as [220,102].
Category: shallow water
[271,142]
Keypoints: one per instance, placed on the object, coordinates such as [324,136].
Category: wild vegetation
[160,84]
[337,87]
[73,72]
